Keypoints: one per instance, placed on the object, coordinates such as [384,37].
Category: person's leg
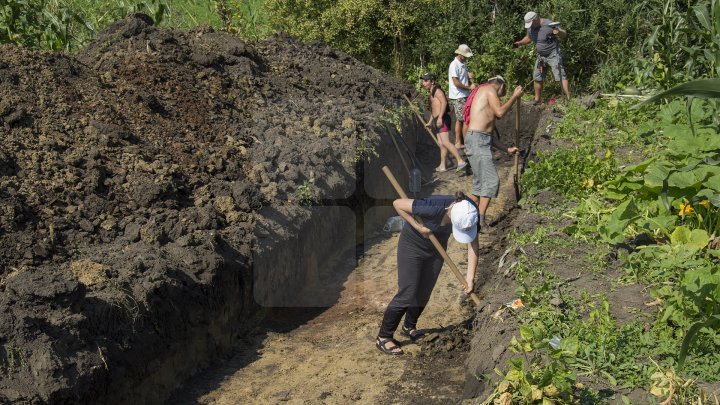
[483,203]
[566,88]
[488,188]
[428,278]
[457,108]
[410,262]
[451,148]
[459,141]
[558,68]
[444,140]
[538,77]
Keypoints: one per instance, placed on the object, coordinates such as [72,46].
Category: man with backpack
[440,122]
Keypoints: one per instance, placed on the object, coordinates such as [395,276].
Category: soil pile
[130,180]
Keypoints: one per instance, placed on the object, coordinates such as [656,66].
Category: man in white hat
[545,34]
[460,86]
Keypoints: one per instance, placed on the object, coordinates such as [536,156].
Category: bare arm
[403,206]
[495,139]
[459,84]
[501,110]
[560,32]
[473,248]
[526,40]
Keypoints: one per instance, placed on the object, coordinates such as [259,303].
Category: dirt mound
[131,176]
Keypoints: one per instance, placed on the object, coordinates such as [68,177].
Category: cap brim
[528,25]
[464,236]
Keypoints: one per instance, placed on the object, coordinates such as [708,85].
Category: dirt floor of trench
[327,355]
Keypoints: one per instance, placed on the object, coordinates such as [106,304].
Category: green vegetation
[305,194]
[670,202]
[640,182]
[70,24]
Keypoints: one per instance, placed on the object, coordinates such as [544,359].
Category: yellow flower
[685,209]
[588,183]
[705,203]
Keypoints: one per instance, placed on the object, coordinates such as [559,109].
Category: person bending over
[419,263]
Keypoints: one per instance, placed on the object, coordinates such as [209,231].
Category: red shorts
[445,124]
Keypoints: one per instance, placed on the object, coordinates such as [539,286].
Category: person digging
[419,262]
[481,137]
[440,122]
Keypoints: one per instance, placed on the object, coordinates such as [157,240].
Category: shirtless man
[440,122]
[481,135]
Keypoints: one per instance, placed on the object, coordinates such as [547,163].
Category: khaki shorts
[555,62]
[457,106]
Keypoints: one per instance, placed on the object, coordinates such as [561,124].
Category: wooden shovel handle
[415,110]
[433,239]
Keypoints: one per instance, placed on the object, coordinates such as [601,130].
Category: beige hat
[464,50]
[529,18]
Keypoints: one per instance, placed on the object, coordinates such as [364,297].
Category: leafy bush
[571,173]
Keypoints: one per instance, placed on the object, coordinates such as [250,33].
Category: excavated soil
[170,201]
[140,178]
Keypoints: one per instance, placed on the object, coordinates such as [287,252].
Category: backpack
[447,106]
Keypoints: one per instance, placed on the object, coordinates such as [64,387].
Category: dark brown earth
[131,180]
[142,182]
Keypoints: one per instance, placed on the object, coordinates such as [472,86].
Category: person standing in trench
[440,122]
[459,86]
[419,263]
[481,137]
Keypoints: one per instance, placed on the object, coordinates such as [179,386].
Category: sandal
[437,169]
[411,333]
[393,350]
[460,167]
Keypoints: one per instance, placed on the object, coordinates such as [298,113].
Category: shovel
[433,239]
[516,176]
[415,110]
[414,174]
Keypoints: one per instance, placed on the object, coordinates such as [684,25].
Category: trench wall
[302,267]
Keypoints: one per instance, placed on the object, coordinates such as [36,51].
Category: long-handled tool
[414,174]
[516,176]
[433,238]
[417,113]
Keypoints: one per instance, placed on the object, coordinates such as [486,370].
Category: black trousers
[418,271]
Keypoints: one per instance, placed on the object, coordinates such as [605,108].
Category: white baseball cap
[464,218]
[529,17]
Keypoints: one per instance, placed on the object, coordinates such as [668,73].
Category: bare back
[482,114]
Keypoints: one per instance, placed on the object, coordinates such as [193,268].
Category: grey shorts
[457,106]
[478,148]
[555,62]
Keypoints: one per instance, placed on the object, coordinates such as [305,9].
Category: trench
[320,294]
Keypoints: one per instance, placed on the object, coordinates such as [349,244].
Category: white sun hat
[464,218]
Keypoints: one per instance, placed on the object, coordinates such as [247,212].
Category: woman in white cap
[419,263]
